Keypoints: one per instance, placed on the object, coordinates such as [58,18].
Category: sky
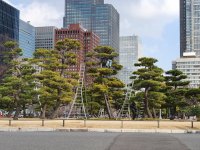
[156,22]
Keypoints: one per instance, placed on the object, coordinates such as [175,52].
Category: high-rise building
[44,37]
[190,26]
[189,59]
[129,53]
[191,68]
[9,21]
[87,39]
[9,28]
[94,15]
[26,38]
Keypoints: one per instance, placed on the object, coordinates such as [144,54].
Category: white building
[190,66]
[129,53]
[45,37]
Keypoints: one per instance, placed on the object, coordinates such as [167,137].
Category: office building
[9,28]
[9,21]
[26,38]
[129,52]
[44,37]
[189,59]
[87,39]
[191,68]
[94,15]
[190,26]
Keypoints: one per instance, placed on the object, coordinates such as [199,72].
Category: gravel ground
[27,123]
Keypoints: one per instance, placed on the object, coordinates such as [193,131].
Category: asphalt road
[97,141]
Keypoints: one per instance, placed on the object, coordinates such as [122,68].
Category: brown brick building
[88,40]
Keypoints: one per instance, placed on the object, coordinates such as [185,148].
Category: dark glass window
[9,21]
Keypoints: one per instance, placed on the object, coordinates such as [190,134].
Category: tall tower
[190,27]
[9,29]
[94,15]
[9,21]
[189,61]
[26,38]
[129,53]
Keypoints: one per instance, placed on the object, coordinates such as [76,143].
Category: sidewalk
[168,131]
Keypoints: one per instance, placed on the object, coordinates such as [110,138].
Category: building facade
[9,29]
[189,59]
[9,21]
[26,38]
[44,37]
[94,15]
[190,26]
[191,68]
[129,53]
[87,39]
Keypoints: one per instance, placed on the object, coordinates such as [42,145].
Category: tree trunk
[183,116]
[24,111]
[58,102]
[17,112]
[43,112]
[9,113]
[174,111]
[146,105]
[154,113]
[110,115]
[55,111]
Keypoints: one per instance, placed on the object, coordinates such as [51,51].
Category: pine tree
[103,67]
[149,79]
[56,82]
[17,87]
[175,81]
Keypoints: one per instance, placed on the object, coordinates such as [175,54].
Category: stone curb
[169,131]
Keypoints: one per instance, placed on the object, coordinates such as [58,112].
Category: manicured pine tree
[56,83]
[103,68]
[17,87]
[176,90]
[148,78]
[193,96]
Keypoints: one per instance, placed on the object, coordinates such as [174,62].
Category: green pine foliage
[17,87]
[149,79]
[175,92]
[55,83]
[103,68]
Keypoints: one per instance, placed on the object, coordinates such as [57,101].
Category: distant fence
[123,124]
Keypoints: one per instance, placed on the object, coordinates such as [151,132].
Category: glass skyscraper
[9,21]
[129,53]
[9,29]
[26,38]
[190,26]
[189,61]
[94,15]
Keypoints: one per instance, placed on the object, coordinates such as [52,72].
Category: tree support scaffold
[77,109]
